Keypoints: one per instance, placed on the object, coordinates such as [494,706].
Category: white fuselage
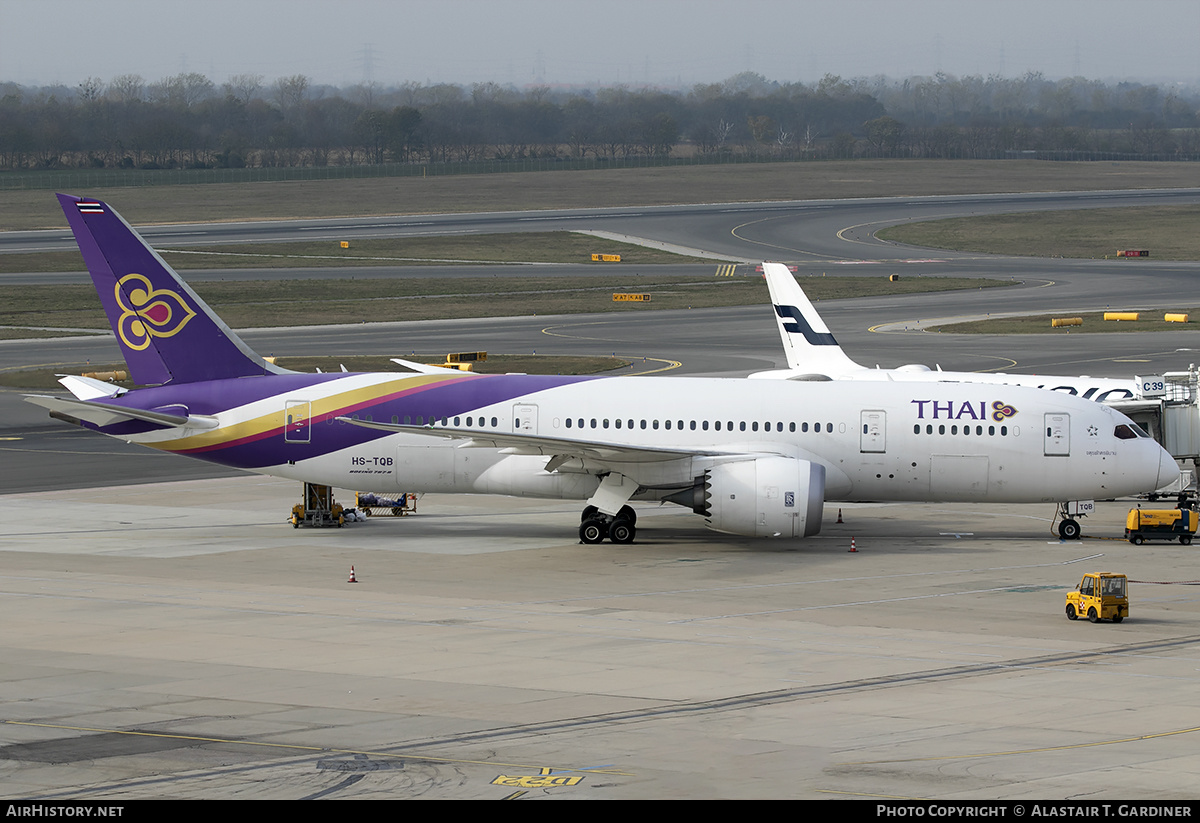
[879,441]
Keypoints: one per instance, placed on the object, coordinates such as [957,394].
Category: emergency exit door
[1058,435]
[873,432]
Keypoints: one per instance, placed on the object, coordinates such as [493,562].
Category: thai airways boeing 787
[753,457]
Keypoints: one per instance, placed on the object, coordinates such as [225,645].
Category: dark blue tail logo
[796,324]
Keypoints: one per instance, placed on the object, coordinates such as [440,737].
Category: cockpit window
[1129,431]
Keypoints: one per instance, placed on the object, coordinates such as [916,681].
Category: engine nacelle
[766,497]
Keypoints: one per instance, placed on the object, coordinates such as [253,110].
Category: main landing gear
[594,525]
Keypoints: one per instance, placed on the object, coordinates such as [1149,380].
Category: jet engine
[763,497]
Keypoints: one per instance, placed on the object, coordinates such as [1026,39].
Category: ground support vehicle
[1100,596]
[318,508]
[1160,524]
[374,505]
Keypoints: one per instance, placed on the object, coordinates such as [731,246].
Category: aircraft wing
[517,443]
[106,414]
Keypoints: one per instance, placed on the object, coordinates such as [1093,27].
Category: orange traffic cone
[352,579]
[851,549]
[839,515]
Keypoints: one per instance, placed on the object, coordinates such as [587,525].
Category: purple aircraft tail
[166,332]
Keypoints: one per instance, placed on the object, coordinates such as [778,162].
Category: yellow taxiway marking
[1011,363]
[1027,751]
[841,235]
[668,364]
[299,748]
[735,229]
[548,331]
[885,224]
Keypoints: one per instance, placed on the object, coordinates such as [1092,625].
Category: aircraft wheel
[1137,540]
[593,531]
[627,513]
[621,531]
[1117,618]
[588,513]
[1092,616]
[1069,530]
[1071,612]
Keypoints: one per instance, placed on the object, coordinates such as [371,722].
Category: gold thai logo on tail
[148,312]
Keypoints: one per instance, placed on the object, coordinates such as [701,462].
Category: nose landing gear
[1069,527]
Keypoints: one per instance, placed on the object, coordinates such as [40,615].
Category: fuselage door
[295,427]
[525,418]
[1058,434]
[873,438]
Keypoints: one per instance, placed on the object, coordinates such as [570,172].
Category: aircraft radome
[753,457]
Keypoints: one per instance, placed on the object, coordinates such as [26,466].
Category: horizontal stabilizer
[89,388]
[426,368]
[107,414]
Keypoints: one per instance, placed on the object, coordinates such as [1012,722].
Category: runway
[175,638]
[815,229]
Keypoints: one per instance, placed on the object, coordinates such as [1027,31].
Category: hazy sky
[666,42]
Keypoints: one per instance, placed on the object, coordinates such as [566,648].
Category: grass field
[1168,232]
[533,247]
[594,189]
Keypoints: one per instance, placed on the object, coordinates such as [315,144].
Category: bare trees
[185,121]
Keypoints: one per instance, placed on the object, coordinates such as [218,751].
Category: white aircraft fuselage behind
[813,354]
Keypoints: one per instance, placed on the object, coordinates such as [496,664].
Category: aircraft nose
[1168,469]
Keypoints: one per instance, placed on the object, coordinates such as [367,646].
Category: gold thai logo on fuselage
[148,312]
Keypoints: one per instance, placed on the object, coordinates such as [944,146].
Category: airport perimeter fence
[82,179]
[78,179]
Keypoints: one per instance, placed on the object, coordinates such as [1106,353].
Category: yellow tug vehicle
[1100,596]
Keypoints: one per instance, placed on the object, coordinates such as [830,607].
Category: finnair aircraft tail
[814,354]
